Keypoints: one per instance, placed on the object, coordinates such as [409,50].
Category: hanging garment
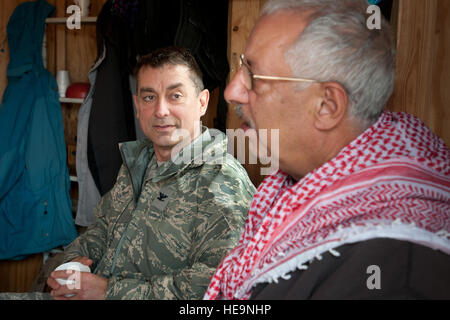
[98,158]
[199,26]
[88,194]
[35,207]
[111,119]
[126,29]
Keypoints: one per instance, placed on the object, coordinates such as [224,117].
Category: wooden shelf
[64,19]
[71,100]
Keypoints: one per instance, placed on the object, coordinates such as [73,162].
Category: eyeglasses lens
[247,73]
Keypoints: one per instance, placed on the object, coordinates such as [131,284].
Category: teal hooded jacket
[35,206]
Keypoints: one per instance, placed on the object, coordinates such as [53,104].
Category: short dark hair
[173,56]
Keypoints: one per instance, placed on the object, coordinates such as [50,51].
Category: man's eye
[149,98]
[176,96]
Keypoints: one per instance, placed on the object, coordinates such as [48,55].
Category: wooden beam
[242,17]
[423,63]
[18,276]
[60,36]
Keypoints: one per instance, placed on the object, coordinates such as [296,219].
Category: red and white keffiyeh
[393,181]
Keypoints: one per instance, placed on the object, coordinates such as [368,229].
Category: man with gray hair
[360,206]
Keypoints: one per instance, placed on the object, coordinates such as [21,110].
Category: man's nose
[236,91]
[162,109]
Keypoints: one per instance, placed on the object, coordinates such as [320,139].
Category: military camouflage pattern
[25,296]
[162,230]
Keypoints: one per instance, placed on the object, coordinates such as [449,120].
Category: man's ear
[331,107]
[204,100]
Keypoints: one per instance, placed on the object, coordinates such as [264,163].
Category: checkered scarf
[393,181]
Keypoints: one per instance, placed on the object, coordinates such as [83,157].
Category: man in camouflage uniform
[172,216]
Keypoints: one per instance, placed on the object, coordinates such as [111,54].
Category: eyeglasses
[250,76]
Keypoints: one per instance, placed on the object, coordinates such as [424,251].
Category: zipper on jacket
[110,241]
[117,220]
[116,254]
[129,173]
[119,245]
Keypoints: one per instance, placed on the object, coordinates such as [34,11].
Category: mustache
[238,111]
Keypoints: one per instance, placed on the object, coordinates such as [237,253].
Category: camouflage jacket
[162,230]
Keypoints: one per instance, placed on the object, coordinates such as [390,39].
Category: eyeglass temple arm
[282,78]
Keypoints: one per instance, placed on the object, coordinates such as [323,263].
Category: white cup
[76,267]
[62,79]
[84,6]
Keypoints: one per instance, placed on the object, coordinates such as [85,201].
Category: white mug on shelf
[62,79]
[84,7]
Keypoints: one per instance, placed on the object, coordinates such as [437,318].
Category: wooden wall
[422,85]
[242,17]
[73,50]
[18,276]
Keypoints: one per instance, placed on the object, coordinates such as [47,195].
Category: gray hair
[337,46]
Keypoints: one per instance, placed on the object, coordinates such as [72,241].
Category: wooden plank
[242,17]
[440,81]
[244,14]
[81,46]
[423,70]
[70,120]
[64,20]
[71,100]
[18,276]
[81,53]
[50,31]
[60,44]
[394,19]
[71,158]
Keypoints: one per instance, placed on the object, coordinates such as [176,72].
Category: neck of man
[326,146]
